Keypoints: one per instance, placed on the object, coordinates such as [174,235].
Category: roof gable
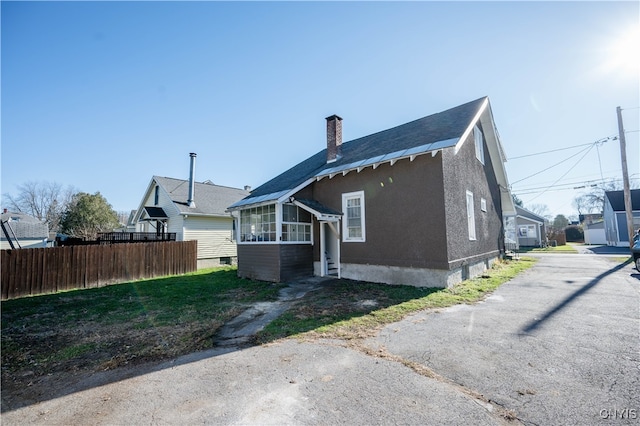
[428,134]
[438,131]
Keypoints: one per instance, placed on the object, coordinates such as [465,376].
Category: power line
[566,186]
[571,168]
[553,165]
[603,140]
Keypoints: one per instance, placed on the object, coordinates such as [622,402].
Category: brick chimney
[334,138]
[192,182]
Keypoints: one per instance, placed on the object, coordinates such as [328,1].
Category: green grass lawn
[568,248]
[359,309]
[142,321]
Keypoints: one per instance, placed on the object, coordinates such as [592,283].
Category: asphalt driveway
[557,345]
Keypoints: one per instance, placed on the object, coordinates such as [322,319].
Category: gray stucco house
[420,204]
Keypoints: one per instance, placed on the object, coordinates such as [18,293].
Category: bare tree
[593,201]
[540,209]
[46,201]
[583,205]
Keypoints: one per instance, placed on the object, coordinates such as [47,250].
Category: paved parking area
[557,345]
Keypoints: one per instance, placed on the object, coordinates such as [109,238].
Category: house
[531,229]
[23,231]
[420,204]
[193,211]
[615,217]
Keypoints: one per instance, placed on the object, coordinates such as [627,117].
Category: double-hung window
[477,136]
[353,223]
[471,218]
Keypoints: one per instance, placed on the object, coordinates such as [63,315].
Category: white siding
[213,236]
[25,243]
[175,221]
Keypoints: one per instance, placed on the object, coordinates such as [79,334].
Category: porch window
[353,223]
[471,218]
[258,224]
[296,224]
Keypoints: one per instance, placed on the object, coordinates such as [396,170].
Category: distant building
[615,217]
[25,231]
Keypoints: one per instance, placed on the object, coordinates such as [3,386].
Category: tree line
[65,210]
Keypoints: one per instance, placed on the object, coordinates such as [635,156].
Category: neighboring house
[615,217]
[419,204]
[24,231]
[193,211]
[530,228]
[594,233]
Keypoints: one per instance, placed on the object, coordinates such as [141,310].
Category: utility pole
[625,178]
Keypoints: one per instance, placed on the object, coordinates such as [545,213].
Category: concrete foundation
[417,277]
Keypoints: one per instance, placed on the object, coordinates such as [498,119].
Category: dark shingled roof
[319,207]
[447,126]
[616,198]
[210,199]
[529,215]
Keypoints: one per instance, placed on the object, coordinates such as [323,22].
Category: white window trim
[282,222]
[278,225]
[345,230]
[483,204]
[478,140]
[471,217]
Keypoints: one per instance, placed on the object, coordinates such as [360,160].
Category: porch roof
[319,210]
[155,213]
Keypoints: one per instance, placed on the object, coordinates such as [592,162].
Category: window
[156,196]
[471,219]
[353,224]
[477,135]
[527,231]
[258,224]
[296,223]
[483,205]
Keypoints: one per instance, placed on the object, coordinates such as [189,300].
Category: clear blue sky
[104,95]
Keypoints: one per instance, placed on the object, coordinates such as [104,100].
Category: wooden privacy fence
[46,270]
